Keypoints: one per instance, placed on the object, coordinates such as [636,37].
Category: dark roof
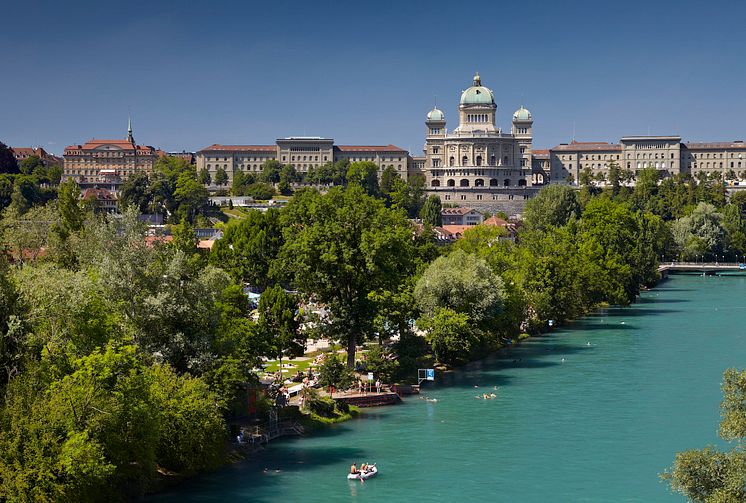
[580,146]
[240,148]
[369,148]
[718,145]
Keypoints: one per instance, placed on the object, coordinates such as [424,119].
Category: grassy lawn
[301,364]
[233,213]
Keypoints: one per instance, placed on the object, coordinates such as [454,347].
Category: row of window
[495,197]
[714,156]
[477,118]
[479,182]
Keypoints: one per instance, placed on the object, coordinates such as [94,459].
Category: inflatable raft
[372,471]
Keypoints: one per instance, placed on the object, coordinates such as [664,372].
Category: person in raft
[364,468]
[353,469]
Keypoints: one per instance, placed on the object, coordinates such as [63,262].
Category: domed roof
[522,115]
[477,94]
[435,115]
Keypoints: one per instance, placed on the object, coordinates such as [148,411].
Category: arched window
[492,160]
[464,161]
[522,182]
[493,182]
[506,182]
[451,183]
[479,182]
[435,183]
[479,160]
[505,160]
[451,161]
[464,182]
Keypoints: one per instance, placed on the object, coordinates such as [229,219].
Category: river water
[592,412]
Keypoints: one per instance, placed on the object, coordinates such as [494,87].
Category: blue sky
[241,72]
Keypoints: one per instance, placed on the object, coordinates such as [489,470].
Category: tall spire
[130,138]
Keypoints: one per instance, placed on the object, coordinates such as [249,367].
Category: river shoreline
[238,455]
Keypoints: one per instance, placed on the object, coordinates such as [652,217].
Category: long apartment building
[303,153]
[667,154]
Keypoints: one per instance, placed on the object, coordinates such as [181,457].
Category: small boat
[371,471]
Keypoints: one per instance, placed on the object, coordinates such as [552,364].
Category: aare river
[593,412]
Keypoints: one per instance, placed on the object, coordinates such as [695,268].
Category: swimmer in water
[492,395]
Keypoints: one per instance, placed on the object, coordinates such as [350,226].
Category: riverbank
[595,414]
[511,354]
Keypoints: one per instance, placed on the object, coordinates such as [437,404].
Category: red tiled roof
[369,148]
[29,151]
[540,152]
[98,193]
[717,145]
[150,241]
[95,143]
[241,148]
[495,221]
[457,230]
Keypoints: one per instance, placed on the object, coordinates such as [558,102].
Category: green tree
[72,214]
[27,234]
[615,178]
[408,195]
[606,241]
[190,195]
[221,177]
[388,177]
[136,192]
[382,362]
[29,164]
[204,177]
[8,162]
[463,283]
[554,205]
[365,175]
[431,212]
[341,246]
[260,191]
[333,373]
[451,335]
[279,320]
[249,247]
[271,170]
[700,233]
[709,475]
[6,190]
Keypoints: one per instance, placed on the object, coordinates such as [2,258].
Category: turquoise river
[592,412]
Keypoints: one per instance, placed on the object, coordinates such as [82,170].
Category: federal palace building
[476,163]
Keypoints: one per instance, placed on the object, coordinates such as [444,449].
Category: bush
[322,406]
[260,190]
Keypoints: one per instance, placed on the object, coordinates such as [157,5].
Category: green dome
[522,115]
[435,115]
[477,94]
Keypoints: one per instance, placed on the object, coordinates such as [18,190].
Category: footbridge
[701,267]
